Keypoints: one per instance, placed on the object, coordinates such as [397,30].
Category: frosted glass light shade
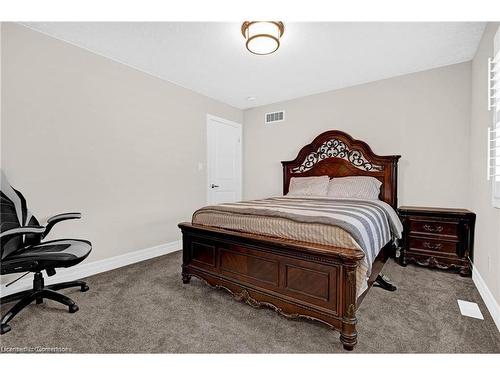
[262,37]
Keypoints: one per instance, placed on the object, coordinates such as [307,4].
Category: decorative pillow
[362,187]
[310,186]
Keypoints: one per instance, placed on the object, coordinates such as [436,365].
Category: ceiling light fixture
[263,37]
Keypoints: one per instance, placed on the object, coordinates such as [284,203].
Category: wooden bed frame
[296,279]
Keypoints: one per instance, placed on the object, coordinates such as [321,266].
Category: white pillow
[361,187]
[310,186]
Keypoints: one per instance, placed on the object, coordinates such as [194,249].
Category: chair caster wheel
[84,288]
[5,329]
[73,309]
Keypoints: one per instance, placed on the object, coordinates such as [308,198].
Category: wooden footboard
[296,279]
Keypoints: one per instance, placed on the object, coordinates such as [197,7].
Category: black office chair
[22,250]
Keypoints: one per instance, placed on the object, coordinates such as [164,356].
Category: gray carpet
[145,308]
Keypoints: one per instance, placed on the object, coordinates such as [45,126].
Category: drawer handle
[433,228]
[428,245]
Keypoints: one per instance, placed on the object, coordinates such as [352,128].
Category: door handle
[214,186]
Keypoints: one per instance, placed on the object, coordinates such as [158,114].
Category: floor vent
[275,117]
[470,309]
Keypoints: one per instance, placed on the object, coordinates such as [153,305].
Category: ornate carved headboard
[337,154]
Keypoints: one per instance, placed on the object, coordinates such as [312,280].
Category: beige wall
[81,132]
[423,116]
[487,242]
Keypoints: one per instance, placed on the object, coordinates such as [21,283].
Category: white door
[224,160]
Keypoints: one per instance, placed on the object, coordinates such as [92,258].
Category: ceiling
[210,57]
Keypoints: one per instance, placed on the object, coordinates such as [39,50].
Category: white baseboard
[488,298]
[92,268]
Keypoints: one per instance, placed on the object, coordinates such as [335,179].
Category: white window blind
[494,130]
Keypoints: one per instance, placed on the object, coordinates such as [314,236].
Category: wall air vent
[275,117]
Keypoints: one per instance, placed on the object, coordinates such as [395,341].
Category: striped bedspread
[371,223]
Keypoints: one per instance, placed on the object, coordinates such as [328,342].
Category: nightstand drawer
[436,237]
[434,246]
[434,228]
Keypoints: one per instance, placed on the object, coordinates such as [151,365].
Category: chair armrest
[67,216]
[51,221]
[21,231]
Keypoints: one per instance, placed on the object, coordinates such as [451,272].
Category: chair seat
[53,254]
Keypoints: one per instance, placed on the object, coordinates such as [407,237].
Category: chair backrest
[14,213]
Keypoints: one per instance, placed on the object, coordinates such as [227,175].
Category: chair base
[37,295]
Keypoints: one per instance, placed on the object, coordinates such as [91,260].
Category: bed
[281,254]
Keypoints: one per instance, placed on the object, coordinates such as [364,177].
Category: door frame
[235,125]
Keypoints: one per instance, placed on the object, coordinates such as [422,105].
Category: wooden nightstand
[438,237]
